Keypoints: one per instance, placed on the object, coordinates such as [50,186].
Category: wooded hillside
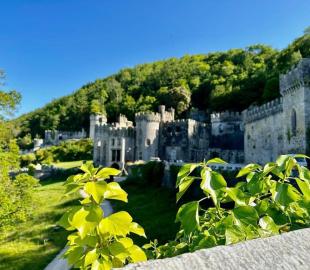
[230,80]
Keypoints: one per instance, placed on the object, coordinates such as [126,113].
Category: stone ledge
[286,251]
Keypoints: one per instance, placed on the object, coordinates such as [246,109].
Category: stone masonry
[258,134]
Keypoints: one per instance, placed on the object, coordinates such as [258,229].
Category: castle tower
[96,119]
[147,135]
[295,89]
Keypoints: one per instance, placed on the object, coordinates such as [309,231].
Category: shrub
[66,151]
[272,200]
[26,160]
[150,173]
[16,198]
[99,242]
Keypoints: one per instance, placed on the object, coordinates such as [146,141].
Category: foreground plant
[99,242]
[270,200]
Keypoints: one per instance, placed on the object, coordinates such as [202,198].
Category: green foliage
[98,241]
[150,173]
[16,199]
[25,142]
[230,80]
[269,201]
[66,151]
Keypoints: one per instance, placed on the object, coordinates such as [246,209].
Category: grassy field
[153,208]
[33,244]
[68,164]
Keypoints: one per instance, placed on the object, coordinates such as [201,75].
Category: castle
[258,134]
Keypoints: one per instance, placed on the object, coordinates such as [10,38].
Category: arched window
[293,122]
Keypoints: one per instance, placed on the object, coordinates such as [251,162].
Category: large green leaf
[101,264]
[234,235]
[304,187]
[269,225]
[284,194]
[216,161]
[137,229]
[238,196]
[86,219]
[258,184]
[64,220]
[96,190]
[72,187]
[105,173]
[184,185]
[304,173]
[74,254]
[116,224]
[247,169]
[119,250]
[136,254]
[211,182]
[115,192]
[188,215]
[185,171]
[91,256]
[246,215]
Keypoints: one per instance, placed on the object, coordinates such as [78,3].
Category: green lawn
[68,164]
[33,244]
[153,208]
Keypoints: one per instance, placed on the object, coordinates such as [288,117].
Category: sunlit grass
[33,244]
[69,164]
[154,208]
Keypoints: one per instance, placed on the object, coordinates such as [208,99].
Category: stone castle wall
[258,134]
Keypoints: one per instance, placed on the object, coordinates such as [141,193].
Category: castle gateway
[258,134]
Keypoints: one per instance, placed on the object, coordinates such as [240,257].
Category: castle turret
[147,138]
[295,89]
[96,119]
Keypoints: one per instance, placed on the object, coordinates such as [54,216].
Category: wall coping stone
[285,251]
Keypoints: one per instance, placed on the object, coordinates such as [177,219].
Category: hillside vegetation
[230,80]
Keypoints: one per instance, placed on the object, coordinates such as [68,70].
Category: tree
[178,97]
[307,31]
[13,207]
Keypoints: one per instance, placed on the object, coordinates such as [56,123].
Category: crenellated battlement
[115,131]
[258,112]
[226,116]
[147,116]
[296,77]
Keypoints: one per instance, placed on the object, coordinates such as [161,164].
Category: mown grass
[69,164]
[154,208]
[33,244]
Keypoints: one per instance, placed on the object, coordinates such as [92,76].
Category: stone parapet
[110,130]
[148,116]
[255,113]
[296,77]
[286,251]
[226,116]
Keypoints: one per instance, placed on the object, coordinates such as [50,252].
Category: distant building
[54,137]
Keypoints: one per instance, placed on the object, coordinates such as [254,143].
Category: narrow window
[148,142]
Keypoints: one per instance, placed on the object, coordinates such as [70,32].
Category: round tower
[147,135]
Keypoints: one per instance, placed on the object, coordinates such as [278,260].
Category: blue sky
[49,48]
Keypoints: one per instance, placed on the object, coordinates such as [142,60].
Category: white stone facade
[258,134]
[281,126]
